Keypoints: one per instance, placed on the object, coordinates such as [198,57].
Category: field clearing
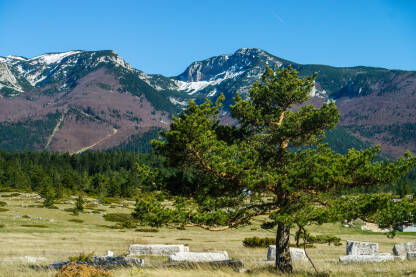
[50,233]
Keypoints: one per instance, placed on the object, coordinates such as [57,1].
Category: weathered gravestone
[199,257]
[361,248]
[296,254]
[401,250]
[377,258]
[411,256]
[364,252]
[156,249]
[407,229]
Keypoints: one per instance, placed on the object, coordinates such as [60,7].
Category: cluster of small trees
[113,174]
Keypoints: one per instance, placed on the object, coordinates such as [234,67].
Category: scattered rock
[199,257]
[107,262]
[110,253]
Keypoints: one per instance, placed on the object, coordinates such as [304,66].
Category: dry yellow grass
[63,238]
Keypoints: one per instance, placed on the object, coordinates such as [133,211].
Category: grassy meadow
[27,229]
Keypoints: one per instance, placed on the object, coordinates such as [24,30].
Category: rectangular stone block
[377,258]
[156,249]
[296,254]
[199,257]
[359,248]
[411,256]
[407,229]
[403,248]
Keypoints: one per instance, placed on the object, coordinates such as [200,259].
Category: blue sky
[166,36]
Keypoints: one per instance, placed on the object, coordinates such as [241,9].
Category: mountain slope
[98,101]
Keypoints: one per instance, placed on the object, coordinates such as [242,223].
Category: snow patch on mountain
[8,79]
[177,102]
[194,87]
[52,57]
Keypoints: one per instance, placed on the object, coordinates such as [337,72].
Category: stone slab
[377,258]
[411,256]
[296,254]
[407,229]
[156,249]
[199,257]
[403,248]
[360,248]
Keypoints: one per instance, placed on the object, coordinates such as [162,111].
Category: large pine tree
[268,161]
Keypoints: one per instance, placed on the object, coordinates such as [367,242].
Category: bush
[117,217]
[259,242]
[82,257]
[147,230]
[2,225]
[3,210]
[2,204]
[78,270]
[76,220]
[34,225]
[126,224]
[324,239]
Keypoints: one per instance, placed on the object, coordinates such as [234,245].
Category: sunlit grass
[66,236]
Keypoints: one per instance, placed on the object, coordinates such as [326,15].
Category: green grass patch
[34,225]
[15,194]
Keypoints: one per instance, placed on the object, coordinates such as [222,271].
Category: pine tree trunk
[283,260]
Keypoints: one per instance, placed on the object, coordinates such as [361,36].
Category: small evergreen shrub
[2,225]
[258,242]
[2,204]
[3,210]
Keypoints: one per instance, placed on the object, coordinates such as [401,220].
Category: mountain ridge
[101,85]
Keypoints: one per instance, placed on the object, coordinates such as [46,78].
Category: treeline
[112,174]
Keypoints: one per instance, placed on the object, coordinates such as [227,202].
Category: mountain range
[94,100]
